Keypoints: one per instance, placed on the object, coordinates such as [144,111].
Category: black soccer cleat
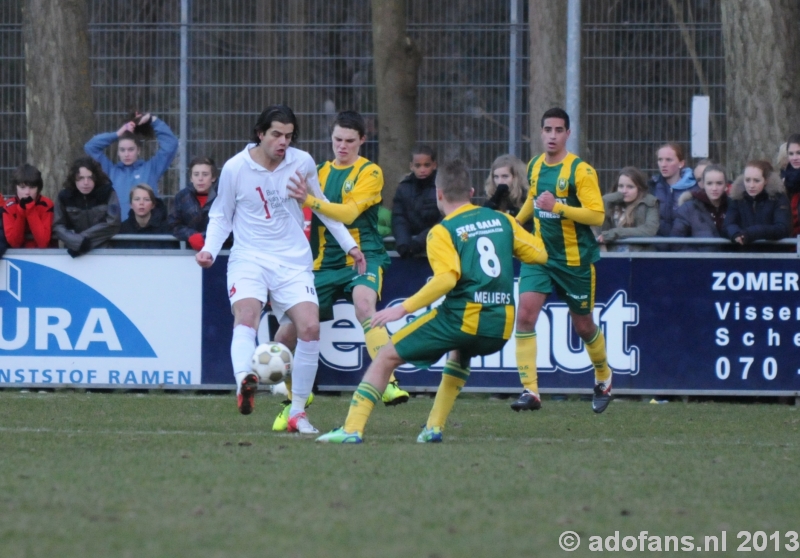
[601,397]
[528,401]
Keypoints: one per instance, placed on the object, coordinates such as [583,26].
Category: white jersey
[267,225]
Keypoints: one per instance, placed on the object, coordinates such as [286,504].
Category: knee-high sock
[361,405]
[242,346]
[596,347]
[526,360]
[375,339]
[306,359]
[288,382]
[454,376]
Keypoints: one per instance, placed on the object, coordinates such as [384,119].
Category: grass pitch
[127,475]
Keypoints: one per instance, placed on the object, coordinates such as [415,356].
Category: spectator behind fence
[415,211]
[790,173]
[27,217]
[699,167]
[630,212]
[189,217]
[702,214]
[148,215]
[3,242]
[87,208]
[759,208]
[506,186]
[672,180]
[130,170]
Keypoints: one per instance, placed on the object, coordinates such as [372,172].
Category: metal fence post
[183,98]
[513,75]
[574,73]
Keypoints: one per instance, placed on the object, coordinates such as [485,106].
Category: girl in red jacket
[28,214]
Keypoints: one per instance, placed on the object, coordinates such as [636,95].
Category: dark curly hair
[99,176]
[274,113]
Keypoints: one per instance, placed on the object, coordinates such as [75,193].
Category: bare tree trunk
[548,60]
[58,94]
[397,61]
[762,83]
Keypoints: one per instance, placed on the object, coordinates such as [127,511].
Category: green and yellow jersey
[470,253]
[357,191]
[566,230]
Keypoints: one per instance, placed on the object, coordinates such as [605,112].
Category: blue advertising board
[674,324]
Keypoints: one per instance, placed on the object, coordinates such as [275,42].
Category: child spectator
[630,212]
[759,208]
[130,170]
[702,214]
[506,187]
[87,208]
[790,173]
[189,217]
[670,183]
[148,215]
[415,211]
[28,213]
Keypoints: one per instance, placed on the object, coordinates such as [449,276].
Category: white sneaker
[299,423]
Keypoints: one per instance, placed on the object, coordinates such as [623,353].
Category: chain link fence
[642,61]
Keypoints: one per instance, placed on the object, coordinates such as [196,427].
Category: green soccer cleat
[339,436]
[431,435]
[393,395]
[281,422]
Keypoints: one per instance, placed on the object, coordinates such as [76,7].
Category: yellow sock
[454,376]
[288,382]
[526,360]
[596,347]
[361,405]
[375,338]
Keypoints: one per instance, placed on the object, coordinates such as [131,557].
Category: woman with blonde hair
[506,186]
[630,212]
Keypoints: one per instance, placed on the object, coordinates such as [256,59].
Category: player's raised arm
[336,228]
[446,266]
[591,211]
[528,248]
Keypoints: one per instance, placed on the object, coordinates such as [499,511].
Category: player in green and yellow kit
[470,253]
[352,186]
[564,200]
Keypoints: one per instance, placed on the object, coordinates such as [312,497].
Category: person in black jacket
[758,208]
[790,173]
[148,215]
[87,208]
[702,214]
[414,211]
[189,217]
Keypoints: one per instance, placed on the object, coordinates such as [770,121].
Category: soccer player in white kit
[270,254]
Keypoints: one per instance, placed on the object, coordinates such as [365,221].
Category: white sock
[306,359]
[242,346]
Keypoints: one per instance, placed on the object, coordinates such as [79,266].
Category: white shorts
[283,286]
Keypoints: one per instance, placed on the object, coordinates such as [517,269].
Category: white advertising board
[123,321]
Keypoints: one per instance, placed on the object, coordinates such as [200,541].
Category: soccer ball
[272,362]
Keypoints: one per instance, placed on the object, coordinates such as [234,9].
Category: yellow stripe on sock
[446,395]
[526,360]
[361,406]
[597,354]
